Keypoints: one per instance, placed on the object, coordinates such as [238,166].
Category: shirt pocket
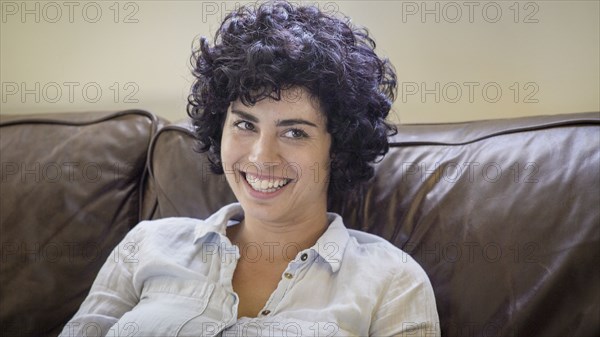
[166,304]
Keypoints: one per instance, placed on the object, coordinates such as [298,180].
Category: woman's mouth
[268,185]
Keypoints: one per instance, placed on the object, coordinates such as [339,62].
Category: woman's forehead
[293,101]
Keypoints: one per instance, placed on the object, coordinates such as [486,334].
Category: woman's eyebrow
[282,122]
[294,121]
[245,115]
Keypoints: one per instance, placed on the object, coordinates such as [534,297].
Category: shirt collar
[217,222]
[330,246]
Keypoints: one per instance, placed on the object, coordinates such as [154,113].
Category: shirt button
[304,257]
[288,275]
[265,312]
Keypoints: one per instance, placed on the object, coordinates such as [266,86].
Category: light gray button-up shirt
[172,277]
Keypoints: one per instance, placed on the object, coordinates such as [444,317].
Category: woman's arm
[112,293]
[407,307]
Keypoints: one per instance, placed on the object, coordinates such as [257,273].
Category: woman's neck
[277,242]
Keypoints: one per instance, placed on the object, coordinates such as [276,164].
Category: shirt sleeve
[112,294]
[407,307]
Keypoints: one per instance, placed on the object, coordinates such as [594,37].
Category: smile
[269,185]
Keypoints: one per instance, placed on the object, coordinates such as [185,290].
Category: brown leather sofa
[503,215]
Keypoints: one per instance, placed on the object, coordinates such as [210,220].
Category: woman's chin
[265,212]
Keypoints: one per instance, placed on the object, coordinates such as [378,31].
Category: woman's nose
[265,152]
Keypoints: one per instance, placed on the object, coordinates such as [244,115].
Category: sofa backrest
[71,188]
[503,216]
[181,181]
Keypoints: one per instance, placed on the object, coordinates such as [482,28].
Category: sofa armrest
[71,188]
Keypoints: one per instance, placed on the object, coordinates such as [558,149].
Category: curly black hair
[264,49]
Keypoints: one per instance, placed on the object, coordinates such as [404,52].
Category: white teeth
[268,185]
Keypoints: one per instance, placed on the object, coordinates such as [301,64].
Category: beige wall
[456,60]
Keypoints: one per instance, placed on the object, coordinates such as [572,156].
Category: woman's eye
[244,125]
[296,134]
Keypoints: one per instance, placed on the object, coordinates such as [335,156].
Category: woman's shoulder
[164,228]
[374,252]
[157,225]
[373,244]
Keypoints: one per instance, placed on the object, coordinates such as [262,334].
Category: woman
[290,104]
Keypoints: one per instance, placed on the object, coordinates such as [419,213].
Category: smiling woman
[290,104]
[284,142]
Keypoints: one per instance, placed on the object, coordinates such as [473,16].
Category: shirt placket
[229,256]
[292,274]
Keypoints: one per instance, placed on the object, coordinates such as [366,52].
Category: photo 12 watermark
[126,12]
[63,171]
[485,329]
[65,252]
[89,329]
[453,12]
[471,252]
[69,92]
[271,252]
[217,10]
[266,327]
[469,92]
[470,171]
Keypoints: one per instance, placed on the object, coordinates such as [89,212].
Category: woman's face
[275,156]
